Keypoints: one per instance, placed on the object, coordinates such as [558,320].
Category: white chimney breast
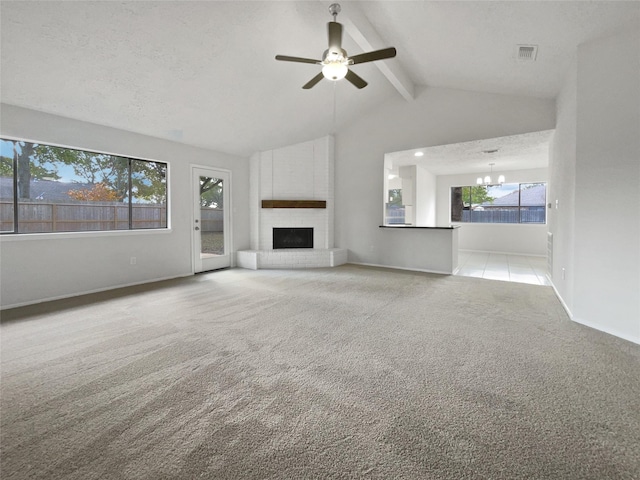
[298,172]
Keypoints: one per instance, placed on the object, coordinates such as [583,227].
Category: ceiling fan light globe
[334,71]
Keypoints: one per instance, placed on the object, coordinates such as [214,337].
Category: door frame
[228,208]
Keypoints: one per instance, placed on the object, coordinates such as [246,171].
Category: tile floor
[506,267]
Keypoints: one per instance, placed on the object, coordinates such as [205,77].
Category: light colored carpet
[350,372]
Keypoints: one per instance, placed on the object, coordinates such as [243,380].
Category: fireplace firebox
[292,238]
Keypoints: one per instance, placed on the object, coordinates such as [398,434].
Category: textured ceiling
[203,73]
[515,152]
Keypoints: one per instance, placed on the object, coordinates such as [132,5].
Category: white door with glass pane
[210,226]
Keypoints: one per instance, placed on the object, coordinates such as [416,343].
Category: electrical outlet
[132,261]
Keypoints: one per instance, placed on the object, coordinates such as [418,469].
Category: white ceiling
[203,73]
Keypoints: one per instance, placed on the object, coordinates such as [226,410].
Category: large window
[506,203]
[53,189]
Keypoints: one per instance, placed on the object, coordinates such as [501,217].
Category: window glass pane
[212,216]
[505,195]
[457,204]
[6,186]
[39,191]
[533,194]
[500,205]
[69,190]
[507,203]
[476,199]
[533,201]
[395,207]
[149,194]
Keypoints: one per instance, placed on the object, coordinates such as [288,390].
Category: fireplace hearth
[292,238]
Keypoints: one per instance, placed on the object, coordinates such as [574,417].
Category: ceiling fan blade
[313,81]
[373,56]
[285,58]
[335,34]
[355,79]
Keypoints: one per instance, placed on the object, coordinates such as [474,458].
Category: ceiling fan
[335,61]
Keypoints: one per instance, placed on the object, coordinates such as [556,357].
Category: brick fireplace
[292,188]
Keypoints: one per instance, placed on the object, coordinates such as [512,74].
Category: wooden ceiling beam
[365,35]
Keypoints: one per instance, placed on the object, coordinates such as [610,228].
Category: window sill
[465,224]
[18,237]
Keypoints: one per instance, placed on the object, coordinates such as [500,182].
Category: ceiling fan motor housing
[334,54]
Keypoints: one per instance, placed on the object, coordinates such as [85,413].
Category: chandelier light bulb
[487,179]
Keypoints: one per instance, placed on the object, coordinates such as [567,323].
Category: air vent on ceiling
[527,53]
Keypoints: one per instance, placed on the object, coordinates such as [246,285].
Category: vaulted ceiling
[204,73]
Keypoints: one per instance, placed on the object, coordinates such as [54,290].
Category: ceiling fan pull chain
[334,107]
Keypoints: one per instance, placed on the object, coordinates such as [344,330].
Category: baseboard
[600,328]
[562,302]
[89,292]
[617,334]
[503,253]
[391,267]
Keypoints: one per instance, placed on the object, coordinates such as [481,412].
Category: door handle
[197,228]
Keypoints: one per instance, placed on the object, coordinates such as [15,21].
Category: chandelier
[487,179]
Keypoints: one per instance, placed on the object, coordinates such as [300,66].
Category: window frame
[519,206]
[7,235]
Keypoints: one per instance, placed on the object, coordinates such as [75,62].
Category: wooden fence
[212,219]
[41,217]
[395,215]
[506,215]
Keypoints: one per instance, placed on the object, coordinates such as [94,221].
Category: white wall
[437,116]
[46,266]
[425,194]
[504,238]
[407,174]
[607,186]
[424,249]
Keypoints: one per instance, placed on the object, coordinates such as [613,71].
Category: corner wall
[607,258]
[597,232]
[39,267]
[562,187]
